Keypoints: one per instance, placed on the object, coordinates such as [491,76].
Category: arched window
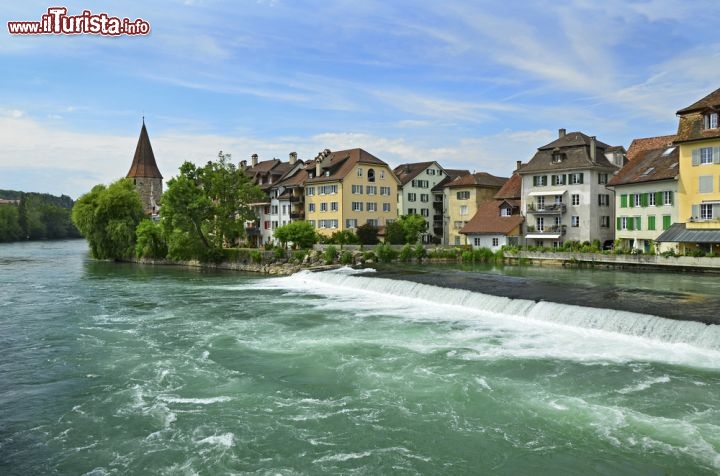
[371,175]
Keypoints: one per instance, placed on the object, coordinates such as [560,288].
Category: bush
[385,253]
[280,253]
[346,257]
[256,256]
[236,255]
[330,254]
[299,255]
[444,253]
[406,253]
[419,252]
[369,256]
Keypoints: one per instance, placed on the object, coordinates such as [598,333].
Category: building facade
[564,191]
[415,196]
[463,196]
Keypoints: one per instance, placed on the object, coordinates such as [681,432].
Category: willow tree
[107,218]
[205,208]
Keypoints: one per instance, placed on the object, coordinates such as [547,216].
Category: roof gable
[487,220]
[712,100]
[143,164]
[638,146]
[407,172]
[649,166]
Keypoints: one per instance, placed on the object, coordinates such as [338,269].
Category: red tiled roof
[644,144]
[340,163]
[143,164]
[407,172]
[487,220]
[649,166]
[709,101]
[512,188]
[478,179]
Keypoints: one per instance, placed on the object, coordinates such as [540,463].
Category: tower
[145,173]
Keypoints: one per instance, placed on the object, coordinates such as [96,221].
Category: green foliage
[256,256]
[481,255]
[279,253]
[444,253]
[299,255]
[236,255]
[205,208]
[668,253]
[107,217]
[330,254]
[406,253]
[299,233]
[368,234]
[385,253]
[394,233]
[406,229]
[419,252]
[346,257]
[150,242]
[9,225]
[344,237]
[369,256]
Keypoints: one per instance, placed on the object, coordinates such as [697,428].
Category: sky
[474,85]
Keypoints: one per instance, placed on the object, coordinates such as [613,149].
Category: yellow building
[698,197]
[463,196]
[347,189]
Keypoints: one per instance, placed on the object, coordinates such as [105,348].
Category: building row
[661,194]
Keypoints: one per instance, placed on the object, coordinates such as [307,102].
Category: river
[123,369]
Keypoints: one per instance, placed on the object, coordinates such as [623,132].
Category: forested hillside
[35,216]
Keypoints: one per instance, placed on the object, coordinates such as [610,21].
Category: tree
[107,217]
[394,233]
[9,223]
[368,234]
[205,208]
[413,225]
[299,233]
[344,237]
[150,242]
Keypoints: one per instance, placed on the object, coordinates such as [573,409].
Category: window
[425,212]
[373,222]
[558,179]
[705,184]
[463,210]
[430,171]
[651,222]
[311,207]
[575,221]
[385,191]
[623,223]
[478,241]
[704,155]
[575,199]
[371,175]
[604,221]
[274,224]
[540,202]
[667,198]
[412,197]
[357,189]
[604,200]
[706,211]
[602,179]
[651,199]
[351,223]
[334,206]
[667,221]
[309,191]
[463,195]
[266,225]
[323,206]
[357,206]
[420,183]
[636,201]
[382,175]
[458,224]
[372,206]
[424,197]
[505,212]
[495,241]
[539,180]
[540,224]
[266,209]
[576,178]
[371,190]
[412,211]
[274,209]
[711,120]
[359,172]
[386,207]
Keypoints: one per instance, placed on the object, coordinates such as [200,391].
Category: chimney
[561,133]
[254,159]
[293,158]
[243,164]
[318,162]
[592,149]
[518,164]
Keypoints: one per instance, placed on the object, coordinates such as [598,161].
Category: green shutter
[658,199]
[666,222]
[631,199]
[629,223]
[638,223]
[644,200]
[623,200]
[651,222]
[619,223]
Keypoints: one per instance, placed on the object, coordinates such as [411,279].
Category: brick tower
[145,173]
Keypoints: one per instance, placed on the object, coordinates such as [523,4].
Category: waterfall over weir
[609,320]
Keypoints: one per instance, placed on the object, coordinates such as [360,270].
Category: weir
[609,320]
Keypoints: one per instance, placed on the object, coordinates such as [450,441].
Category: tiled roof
[487,220]
[450,175]
[512,189]
[336,165]
[647,143]
[407,172]
[478,179]
[143,164]
[709,101]
[575,147]
[649,166]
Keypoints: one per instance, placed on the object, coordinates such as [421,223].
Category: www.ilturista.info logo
[58,22]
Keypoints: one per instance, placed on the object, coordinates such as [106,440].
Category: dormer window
[711,120]
[557,156]
[371,175]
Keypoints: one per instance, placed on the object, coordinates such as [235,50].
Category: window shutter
[644,200]
[671,197]
[696,157]
[632,200]
[630,222]
[638,223]
[696,211]
[716,155]
[666,222]
[619,223]
[623,200]
[651,222]
[658,199]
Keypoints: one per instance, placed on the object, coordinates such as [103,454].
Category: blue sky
[476,85]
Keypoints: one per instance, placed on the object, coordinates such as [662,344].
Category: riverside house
[564,190]
[415,195]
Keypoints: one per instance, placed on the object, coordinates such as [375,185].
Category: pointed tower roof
[143,164]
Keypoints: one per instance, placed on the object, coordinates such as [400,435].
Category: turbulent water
[119,369]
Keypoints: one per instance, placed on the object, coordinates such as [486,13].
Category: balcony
[294,199]
[297,215]
[550,232]
[438,206]
[551,209]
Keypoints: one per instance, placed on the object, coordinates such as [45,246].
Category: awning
[543,236]
[678,233]
[545,193]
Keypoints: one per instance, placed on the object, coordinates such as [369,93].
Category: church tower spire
[145,172]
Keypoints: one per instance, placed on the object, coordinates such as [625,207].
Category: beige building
[347,189]
[463,197]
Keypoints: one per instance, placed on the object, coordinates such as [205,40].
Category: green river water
[120,369]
